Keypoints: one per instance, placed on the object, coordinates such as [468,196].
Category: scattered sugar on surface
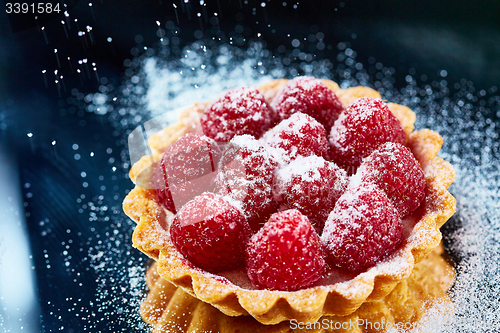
[468,122]
[465,117]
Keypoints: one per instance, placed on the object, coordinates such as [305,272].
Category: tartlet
[169,309]
[338,295]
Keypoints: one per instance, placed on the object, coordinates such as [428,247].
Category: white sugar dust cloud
[197,82]
[465,117]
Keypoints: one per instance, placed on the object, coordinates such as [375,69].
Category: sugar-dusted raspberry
[312,186]
[360,129]
[311,96]
[163,194]
[240,111]
[298,135]
[211,233]
[246,176]
[394,169]
[362,229]
[286,254]
[188,166]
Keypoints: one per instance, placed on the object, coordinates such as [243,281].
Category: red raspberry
[211,233]
[240,111]
[163,194]
[300,134]
[394,169]
[188,166]
[286,254]
[363,228]
[246,175]
[311,185]
[360,129]
[311,96]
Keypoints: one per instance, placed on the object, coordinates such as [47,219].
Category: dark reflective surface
[72,169]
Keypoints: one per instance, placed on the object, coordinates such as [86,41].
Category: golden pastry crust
[405,116]
[167,307]
[340,297]
[271,88]
[351,95]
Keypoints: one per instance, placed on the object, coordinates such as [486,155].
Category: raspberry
[164,196]
[205,228]
[310,96]
[298,135]
[188,166]
[363,228]
[286,254]
[360,129]
[240,111]
[246,175]
[394,169]
[312,186]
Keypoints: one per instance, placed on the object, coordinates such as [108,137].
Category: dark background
[461,37]
[421,38]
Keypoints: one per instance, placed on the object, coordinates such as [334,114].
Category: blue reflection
[19,308]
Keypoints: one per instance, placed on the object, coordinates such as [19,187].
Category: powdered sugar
[285,254]
[395,170]
[311,96]
[246,173]
[363,228]
[239,111]
[359,130]
[300,134]
[312,185]
[304,167]
[462,113]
